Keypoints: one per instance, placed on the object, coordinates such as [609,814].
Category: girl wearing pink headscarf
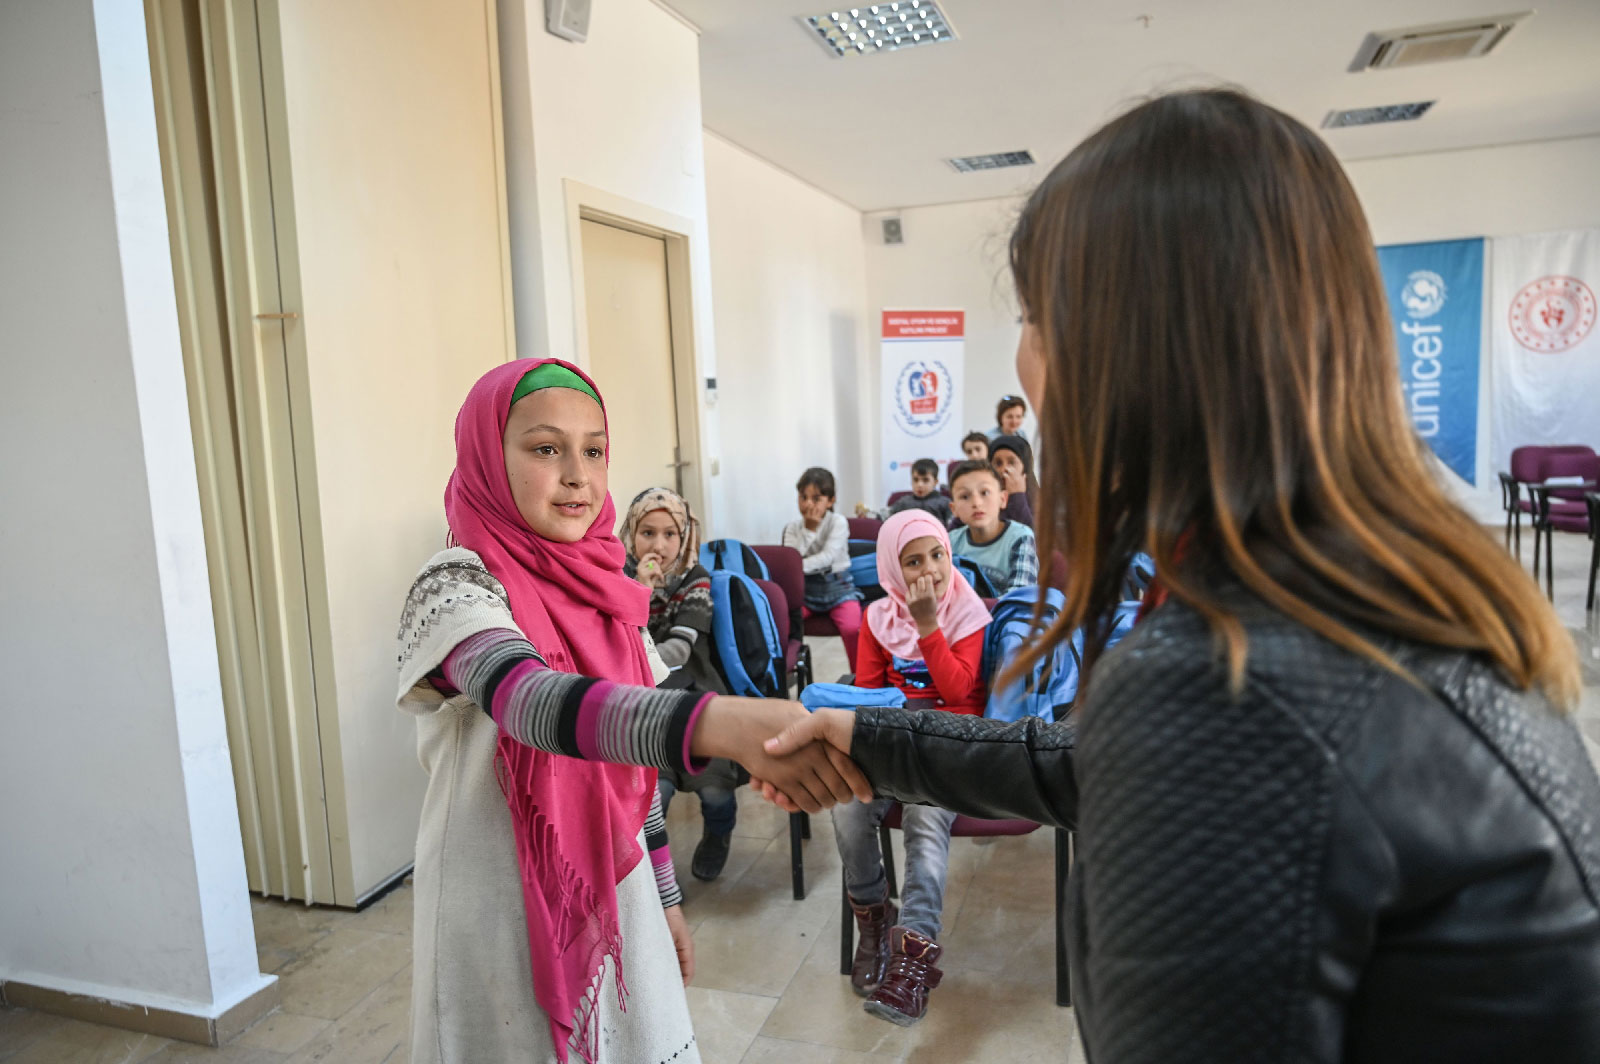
[541,930]
[926,638]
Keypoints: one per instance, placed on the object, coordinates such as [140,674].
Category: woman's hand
[810,776]
[923,602]
[682,941]
[830,728]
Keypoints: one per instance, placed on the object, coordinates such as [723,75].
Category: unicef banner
[1544,341]
[1436,300]
[923,351]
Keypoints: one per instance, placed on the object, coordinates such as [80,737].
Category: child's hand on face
[1015,482]
[650,572]
[923,602]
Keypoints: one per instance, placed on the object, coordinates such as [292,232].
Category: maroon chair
[1560,508]
[867,527]
[786,591]
[784,567]
[894,497]
[1527,467]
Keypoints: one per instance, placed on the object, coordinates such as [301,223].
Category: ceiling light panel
[1372,116]
[968,164]
[875,28]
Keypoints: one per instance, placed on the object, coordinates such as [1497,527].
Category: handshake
[798,761]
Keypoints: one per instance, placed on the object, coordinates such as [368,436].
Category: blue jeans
[719,806]
[855,827]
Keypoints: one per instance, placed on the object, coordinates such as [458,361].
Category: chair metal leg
[805,826]
[1538,542]
[797,860]
[1063,866]
[1594,568]
[1518,517]
[1549,562]
[847,932]
[886,843]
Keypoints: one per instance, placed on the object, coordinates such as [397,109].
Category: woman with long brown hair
[1331,805]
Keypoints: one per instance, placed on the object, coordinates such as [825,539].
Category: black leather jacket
[1335,865]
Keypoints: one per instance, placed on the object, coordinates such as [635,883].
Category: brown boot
[872,944]
[902,997]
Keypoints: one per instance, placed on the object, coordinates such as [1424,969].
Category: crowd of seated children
[924,637]
[925,495]
[1003,548]
[823,539]
[662,539]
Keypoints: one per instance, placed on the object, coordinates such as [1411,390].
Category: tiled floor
[767,989]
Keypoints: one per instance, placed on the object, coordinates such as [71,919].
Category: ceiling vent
[968,164]
[874,28]
[1436,43]
[1372,116]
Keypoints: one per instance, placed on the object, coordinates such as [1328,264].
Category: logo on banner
[1553,314]
[922,398]
[1423,294]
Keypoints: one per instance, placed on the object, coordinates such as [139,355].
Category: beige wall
[397,203]
[791,327]
[620,113]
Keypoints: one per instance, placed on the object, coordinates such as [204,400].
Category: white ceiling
[1041,74]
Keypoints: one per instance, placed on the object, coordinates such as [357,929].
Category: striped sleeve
[655,841]
[578,716]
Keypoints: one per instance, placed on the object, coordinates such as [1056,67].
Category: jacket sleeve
[1204,823]
[972,765]
[1024,568]
[872,661]
[956,670]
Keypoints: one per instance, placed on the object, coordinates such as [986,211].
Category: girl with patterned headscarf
[663,543]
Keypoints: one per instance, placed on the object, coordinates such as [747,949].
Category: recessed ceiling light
[1371,116]
[875,28]
[967,164]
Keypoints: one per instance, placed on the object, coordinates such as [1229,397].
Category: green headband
[552,375]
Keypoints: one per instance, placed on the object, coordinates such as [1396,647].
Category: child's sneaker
[709,857]
[902,997]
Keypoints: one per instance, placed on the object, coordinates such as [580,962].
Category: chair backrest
[1569,464]
[896,496]
[865,527]
[786,570]
[1527,463]
[780,607]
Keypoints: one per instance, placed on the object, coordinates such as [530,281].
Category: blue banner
[1436,300]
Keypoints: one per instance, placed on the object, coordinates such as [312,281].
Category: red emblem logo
[1553,314]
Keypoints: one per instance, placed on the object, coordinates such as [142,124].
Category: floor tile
[377,1030]
[725,1023]
[766,1050]
[282,1032]
[341,969]
[185,1053]
[74,1042]
[19,1028]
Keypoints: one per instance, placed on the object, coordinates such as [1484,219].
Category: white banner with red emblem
[1545,346]
[923,355]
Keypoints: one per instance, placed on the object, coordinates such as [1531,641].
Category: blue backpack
[745,635]
[735,556]
[1049,688]
[975,576]
[845,696]
[864,569]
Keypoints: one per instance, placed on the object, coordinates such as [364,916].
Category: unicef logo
[1423,294]
[922,398]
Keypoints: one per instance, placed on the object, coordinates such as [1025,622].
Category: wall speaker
[568,19]
[892,233]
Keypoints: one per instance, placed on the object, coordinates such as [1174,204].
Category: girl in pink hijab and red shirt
[924,637]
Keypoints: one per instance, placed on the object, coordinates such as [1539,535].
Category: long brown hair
[1221,390]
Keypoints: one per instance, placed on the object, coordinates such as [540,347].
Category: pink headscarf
[577,822]
[961,611]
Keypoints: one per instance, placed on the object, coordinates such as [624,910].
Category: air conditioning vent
[967,164]
[1437,43]
[1372,116]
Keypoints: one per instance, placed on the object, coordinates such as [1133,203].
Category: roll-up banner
[1435,295]
[923,355]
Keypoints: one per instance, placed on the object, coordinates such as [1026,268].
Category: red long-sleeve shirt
[957,671]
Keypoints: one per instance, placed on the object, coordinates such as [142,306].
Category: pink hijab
[961,611]
[577,822]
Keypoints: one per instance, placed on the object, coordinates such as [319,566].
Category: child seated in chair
[926,638]
[1003,548]
[823,539]
[925,495]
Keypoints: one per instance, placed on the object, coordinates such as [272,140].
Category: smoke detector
[1435,43]
[1372,116]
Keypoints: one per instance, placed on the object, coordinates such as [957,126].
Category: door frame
[586,203]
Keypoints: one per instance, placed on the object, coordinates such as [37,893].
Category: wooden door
[630,356]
